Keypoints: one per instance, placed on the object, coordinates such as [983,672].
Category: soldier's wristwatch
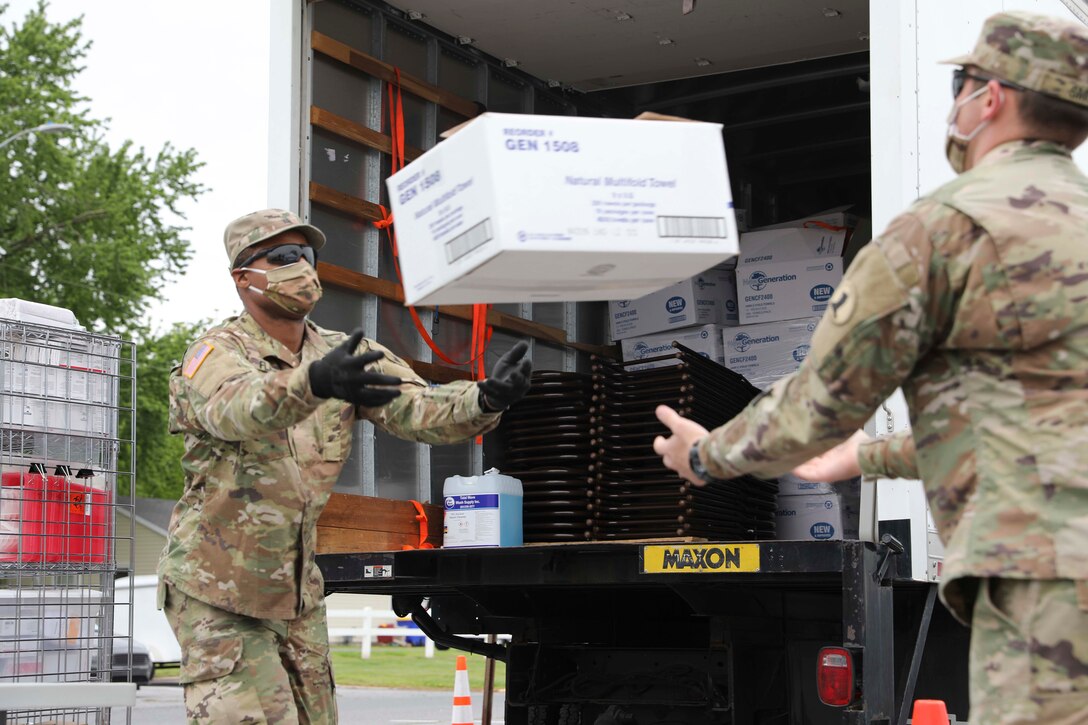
[696,464]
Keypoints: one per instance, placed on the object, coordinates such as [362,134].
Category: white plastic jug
[482,510]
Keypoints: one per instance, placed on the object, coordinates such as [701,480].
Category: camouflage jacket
[262,454]
[975,301]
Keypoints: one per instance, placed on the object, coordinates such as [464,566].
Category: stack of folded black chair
[636,496]
[548,447]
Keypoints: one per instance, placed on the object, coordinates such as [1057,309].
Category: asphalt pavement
[162,705]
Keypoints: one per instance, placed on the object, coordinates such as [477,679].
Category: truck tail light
[835,676]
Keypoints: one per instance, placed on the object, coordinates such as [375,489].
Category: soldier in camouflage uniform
[975,301]
[266,402]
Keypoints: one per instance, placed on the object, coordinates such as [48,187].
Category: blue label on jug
[461,502]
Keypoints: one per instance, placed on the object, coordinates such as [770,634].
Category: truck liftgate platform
[680,632]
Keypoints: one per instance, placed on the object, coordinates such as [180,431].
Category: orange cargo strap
[421,517]
[481,331]
[823,225]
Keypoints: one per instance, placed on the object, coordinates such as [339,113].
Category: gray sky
[194,74]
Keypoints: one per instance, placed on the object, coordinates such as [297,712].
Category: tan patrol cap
[1038,52]
[244,232]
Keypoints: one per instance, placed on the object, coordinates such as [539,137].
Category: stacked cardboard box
[786,275]
[693,312]
[817,511]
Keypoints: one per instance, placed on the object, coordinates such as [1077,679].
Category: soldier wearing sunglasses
[267,402]
[975,302]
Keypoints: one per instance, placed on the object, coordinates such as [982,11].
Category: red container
[53,519]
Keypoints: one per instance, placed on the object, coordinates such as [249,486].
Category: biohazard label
[700,558]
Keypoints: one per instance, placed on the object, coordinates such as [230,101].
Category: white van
[149,624]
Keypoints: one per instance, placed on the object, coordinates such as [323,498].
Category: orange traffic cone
[929,712]
[462,697]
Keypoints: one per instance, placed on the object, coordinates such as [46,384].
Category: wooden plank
[334,540]
[344,202]
[353,281]
[438,373]
[370,65]
[351,510]
[352,523]
[352,131]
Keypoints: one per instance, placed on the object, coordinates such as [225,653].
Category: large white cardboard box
[708,298]
[769,351]
[786,290]
[520,208]
[705,340]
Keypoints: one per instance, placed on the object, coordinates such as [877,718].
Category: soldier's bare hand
[675,449]
[838,464]
[342,374]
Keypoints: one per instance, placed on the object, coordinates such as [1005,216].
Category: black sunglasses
[960,76]
[283,254]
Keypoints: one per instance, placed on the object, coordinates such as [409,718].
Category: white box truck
[822,105]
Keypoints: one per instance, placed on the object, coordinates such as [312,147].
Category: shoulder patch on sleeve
[192,365]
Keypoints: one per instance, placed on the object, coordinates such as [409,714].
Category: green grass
[403,668]
[406,668]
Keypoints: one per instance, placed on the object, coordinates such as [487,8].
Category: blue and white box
[523,208]
[816,517]
[708,298]
[786,290]
[705,340]
[764,353]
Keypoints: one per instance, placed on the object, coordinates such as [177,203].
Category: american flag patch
[197,360]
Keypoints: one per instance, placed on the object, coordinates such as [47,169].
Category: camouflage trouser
[1029,652]
[237,669]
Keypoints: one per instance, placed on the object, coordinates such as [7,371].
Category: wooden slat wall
[365,284]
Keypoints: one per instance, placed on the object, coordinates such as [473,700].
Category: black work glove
[342,374]
[509,381]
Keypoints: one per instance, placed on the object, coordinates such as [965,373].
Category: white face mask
[955,146]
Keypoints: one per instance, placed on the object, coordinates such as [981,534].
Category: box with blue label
[764,353]
[705,340]
[522,208]
[816,517]
[786,290]
[708,298]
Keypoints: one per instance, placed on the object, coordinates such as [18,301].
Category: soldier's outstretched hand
[838,464]
[342,374]
[509,381]
[675,449]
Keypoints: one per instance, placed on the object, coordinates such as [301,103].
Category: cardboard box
[788,245]
[764,353]
[815,517]
[708,298]
[786,290]
[520,208]
[791,485]
[837,217]
[705,340]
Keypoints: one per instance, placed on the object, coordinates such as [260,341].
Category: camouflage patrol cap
[1038,52]
[244,232]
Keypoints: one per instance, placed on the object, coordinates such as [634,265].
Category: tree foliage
[92,228]
[158,453]
[82,226]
